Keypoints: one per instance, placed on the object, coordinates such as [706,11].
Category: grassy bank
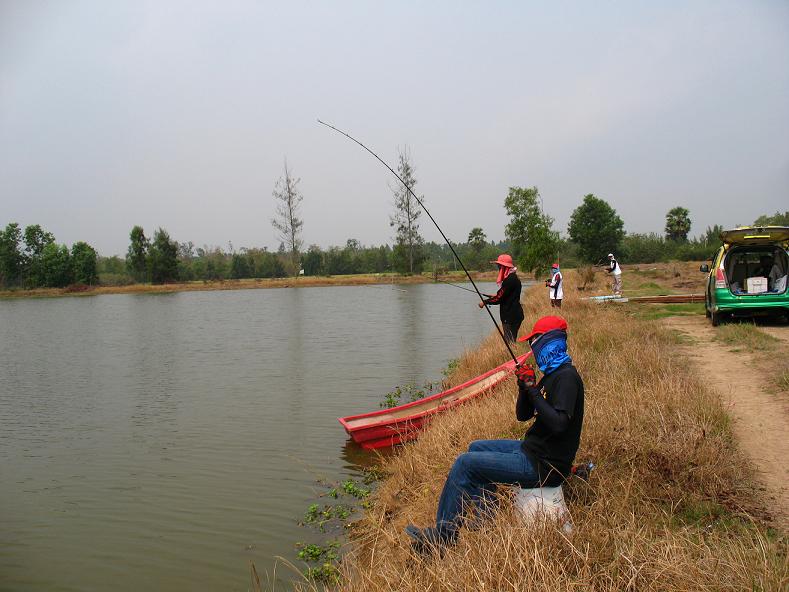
[670,507]
[248,284]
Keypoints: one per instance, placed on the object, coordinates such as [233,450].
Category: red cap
[544,325]
[555,266]
[504,260]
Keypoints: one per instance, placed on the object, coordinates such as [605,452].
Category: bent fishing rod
[444,236]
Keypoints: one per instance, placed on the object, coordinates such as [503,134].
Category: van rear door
[755,235]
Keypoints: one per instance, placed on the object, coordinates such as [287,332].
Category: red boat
[387,427]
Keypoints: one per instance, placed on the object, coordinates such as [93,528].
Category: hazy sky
[180,114]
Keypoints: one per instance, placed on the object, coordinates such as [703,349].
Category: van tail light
[720,279]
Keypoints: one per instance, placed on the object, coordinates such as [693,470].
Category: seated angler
[543,458]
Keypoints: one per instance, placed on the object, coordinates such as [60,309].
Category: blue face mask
[550,350]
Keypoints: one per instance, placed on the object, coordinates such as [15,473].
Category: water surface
[162,442]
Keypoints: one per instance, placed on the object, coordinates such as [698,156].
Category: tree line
[595,229]
[153,261]
[32,259]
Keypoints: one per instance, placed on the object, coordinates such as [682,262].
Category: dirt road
[759,409]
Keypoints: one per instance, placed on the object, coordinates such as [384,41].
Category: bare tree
[408,247]
[287,222]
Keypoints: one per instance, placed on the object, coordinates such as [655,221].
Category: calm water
[162,442]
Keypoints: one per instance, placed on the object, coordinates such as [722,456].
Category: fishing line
[455,285]
[444,236]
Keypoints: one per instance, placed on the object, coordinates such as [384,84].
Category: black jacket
[553,439]
[509,300]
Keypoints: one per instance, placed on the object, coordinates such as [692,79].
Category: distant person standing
[555,288]
[616,272]
[508,297]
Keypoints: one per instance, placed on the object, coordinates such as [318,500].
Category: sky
[181,114]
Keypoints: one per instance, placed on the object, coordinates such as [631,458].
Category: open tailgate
[755,235]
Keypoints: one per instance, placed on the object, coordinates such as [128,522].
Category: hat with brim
[545,324]
[504,260]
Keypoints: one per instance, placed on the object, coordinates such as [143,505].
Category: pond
[163,442]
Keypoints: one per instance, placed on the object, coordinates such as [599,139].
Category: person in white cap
[616,272]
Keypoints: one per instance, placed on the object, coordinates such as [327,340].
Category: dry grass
[667,509]
[783,379]
[586,277]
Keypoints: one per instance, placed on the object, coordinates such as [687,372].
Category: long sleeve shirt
[509,300]
[553,439]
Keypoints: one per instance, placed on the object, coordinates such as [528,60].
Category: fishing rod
[444,236]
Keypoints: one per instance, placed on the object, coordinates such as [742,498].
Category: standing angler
[508,297]
[616,272]
[555,288]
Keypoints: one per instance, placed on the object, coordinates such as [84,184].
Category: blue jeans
[474,475]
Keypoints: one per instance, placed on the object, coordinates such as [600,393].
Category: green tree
[55,266]
[287,222]
[137,255]
[777,219]
[338,261]
[313,261]
[163,258]
[36,240]
[405,220]
[477,239]
[84,263]
[678,224]
[596,228]
[534,242]
[239,267]
[11,257]
[712,236]
[383,259]
[647,248]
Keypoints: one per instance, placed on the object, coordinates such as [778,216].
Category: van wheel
[716,318]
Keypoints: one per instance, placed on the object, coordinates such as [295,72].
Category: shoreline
[250,284]
[670,473]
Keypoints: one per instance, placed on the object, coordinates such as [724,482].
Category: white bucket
[543,502]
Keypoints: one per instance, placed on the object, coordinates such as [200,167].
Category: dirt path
[760,415]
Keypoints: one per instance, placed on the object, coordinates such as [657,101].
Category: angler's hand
[481,304]
[526,374]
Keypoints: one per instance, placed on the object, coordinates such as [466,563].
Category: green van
[749,274]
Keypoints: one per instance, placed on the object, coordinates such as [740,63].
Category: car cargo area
[753,270]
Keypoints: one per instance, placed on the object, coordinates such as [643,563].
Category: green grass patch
[651,289]
[707,514]
[745,336]
[661,311]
